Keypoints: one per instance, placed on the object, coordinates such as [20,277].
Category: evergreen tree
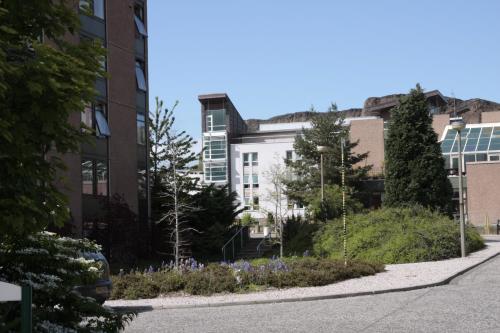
[327,130]
[415,172]
[172,158]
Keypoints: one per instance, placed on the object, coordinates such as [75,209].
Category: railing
[237,240]
[262,242]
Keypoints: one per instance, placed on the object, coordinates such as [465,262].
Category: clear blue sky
[281,56]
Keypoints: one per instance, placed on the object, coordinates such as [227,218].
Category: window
[141,129]
[494,157]
[139,76]
[102,128]
[215,171]
[94,119]
[139,19]
[246,159]
[87,119]
[289,155]
[141,183]
[215,147]
[94,177]
[87,177]
[101,178]
[255,181]
[93,7]
[216,120]
[255,159]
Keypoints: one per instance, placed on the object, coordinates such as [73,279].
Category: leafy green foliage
[42,86]
[331,207]
[248,220]
[299,235]
[327,130]
[396,235]
[415,172]
[216,211]
[54,266]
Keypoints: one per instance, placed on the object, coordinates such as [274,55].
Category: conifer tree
[327,130]
[415,172]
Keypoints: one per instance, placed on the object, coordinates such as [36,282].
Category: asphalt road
[471,303]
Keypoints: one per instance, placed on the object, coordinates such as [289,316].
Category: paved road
[471,303]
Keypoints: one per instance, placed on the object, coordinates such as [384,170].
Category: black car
[101,289]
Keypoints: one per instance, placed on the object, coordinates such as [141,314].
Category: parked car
[101,289]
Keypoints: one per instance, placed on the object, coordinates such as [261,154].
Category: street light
[458,125]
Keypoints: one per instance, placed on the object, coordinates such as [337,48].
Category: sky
[280,56]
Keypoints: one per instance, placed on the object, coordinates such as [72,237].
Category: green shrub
[168,282]
[134,286]
[214,278]
[396,235]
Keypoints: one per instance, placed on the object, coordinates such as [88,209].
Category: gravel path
[396,277]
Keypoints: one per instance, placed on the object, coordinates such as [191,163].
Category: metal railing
[262,242]
[237,240]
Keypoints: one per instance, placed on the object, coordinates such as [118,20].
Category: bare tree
[277,175]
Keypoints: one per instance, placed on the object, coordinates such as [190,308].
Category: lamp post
[458,125]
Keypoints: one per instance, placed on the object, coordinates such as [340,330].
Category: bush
[396,235]
[241,276]
[214,279]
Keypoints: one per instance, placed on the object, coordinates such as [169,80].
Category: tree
[331,208]
[415,172]
[327,130]
[217,208]
[41,86]
[172,157]
[277,175]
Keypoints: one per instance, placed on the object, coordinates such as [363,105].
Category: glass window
[141,183]
[255,159]
[92,7]
[481,157]
[446,146]
[289,155]
[87,177]
[87,119]
[215,171]
[216,120]
[494,158]
[215,147]
[99,8]
[246,159]
[255,180]
[245,179]
[102,123]
[141,129]
[139,76]
[140,26]
[470,157]
[101,178]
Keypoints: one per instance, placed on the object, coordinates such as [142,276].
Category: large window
[94,120]
[215,147]
[92,7]
[250,159]
[216,120]
[94,177]
[215,171]
[141,129]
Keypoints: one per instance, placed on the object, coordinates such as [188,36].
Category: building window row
[94,177]
[251,181]
[92,8]
[94,119]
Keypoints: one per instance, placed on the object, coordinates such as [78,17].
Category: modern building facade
[241,153]
[115,161]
